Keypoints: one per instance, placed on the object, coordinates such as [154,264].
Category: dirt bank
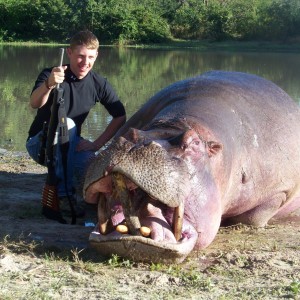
[42,259]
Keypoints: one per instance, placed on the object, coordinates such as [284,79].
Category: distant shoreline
[232,46]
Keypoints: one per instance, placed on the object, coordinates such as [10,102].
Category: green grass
[294,287]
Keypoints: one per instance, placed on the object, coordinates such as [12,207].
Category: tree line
[149,21]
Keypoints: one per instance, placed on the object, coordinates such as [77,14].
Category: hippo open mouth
[130,222]
[133,220]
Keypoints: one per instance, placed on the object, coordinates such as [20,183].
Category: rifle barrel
[62,51]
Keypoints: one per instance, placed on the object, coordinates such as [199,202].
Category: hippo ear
[213,148]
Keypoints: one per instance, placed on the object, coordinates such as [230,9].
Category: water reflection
[136,75]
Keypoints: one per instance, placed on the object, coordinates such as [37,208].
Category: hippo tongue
[117,215]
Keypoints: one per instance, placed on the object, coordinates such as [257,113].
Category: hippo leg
[261,214]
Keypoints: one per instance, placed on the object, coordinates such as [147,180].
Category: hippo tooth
[178,221]
[132,219]
[102,215]
[121,228]
[145,231]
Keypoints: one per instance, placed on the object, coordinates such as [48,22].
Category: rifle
[57,134]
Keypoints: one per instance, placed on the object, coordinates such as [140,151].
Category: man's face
[81,60]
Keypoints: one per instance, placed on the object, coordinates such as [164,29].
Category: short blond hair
[84,38]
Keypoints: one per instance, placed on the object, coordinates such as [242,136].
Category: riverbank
[292,46]
[42,259]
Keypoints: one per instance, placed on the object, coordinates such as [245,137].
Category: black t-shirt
[80,95]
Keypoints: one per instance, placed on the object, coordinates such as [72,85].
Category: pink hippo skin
[220,147]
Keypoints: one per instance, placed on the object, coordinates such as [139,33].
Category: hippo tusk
[103,218]
[132,219]
[178,221]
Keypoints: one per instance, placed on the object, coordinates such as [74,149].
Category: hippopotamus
[218,148]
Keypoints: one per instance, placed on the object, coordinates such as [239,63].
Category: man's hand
[86,145]
[57,75]
[40,95]
[109,132]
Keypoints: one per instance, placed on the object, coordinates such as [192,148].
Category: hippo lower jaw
[172,238]
[143,249]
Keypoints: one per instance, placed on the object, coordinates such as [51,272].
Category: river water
[136,74]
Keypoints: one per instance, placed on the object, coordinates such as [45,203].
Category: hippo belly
[220,147]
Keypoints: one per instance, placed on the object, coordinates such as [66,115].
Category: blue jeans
[77,161]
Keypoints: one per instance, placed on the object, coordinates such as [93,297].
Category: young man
[83,88]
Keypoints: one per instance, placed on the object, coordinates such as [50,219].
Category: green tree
[215,19]
[187,22]
[38,20]
[279,19]
[242,19]
[132,23]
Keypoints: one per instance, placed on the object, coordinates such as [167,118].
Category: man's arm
[108,133]
[41,94]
